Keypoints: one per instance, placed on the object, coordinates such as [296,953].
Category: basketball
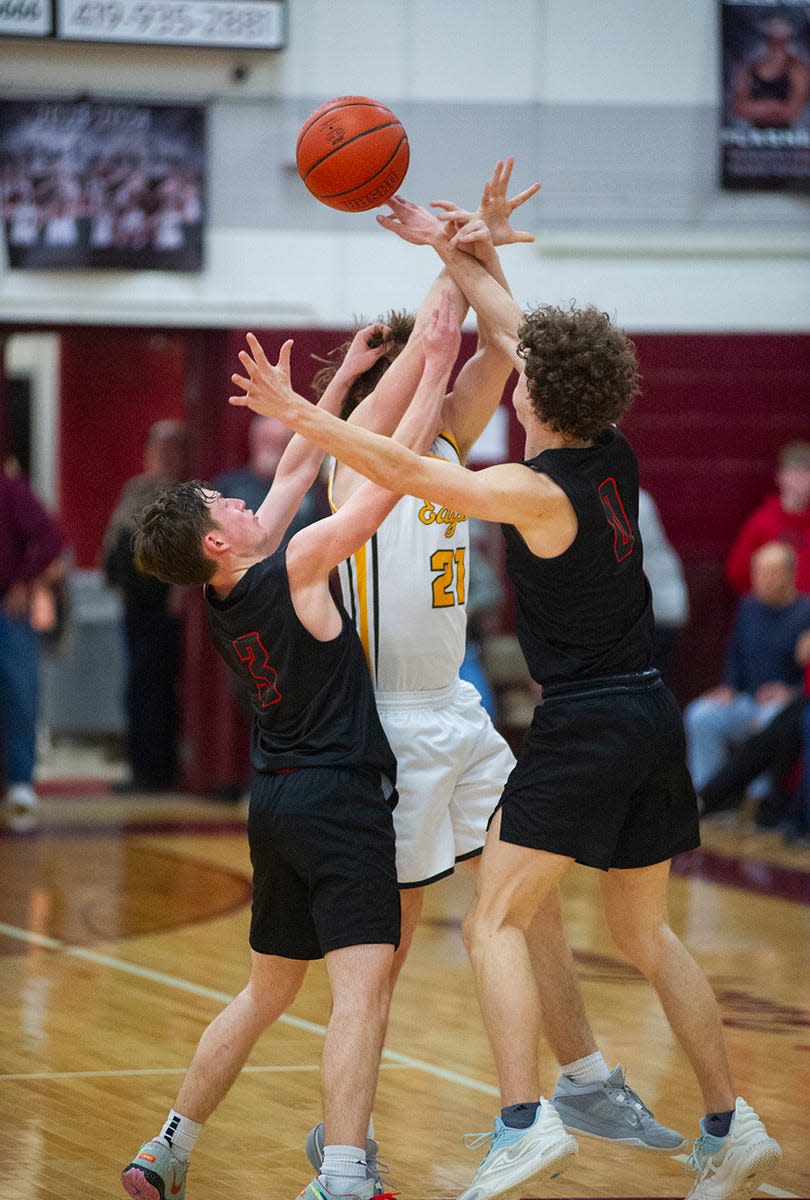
[352,153]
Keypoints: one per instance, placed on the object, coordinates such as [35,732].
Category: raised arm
[301,460]
[479,385]
[382,410]
[496,207]
[478,388]
[504,493]
[490,300]
[315,550]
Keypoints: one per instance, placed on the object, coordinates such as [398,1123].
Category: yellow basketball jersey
[406,591]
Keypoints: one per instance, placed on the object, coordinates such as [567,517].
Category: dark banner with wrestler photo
[765,134]
[94,185]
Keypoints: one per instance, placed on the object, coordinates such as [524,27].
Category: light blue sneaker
[612,1110]
[542,1151]
[155,1173]
[735,1166]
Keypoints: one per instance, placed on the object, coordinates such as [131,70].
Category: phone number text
[250,23]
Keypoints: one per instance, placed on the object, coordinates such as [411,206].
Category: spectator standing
[762,674]
[783,516]
[31,548]
[152,629]
[670,598]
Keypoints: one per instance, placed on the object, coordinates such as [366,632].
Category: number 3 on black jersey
[250,650]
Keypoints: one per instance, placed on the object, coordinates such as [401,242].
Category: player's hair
[401,324]
[581,371]
[169,532]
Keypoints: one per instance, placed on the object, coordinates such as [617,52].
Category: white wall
[696,259]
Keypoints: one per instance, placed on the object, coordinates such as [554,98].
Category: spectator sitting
[798,831]
[761,674]
[670,598]
[783,517]
[782,747]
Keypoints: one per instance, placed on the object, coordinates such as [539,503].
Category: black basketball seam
[337,195]
[338,104]
[333,196]
[356,138]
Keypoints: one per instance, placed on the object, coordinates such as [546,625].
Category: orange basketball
[352,153]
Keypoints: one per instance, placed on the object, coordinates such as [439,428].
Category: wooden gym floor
[123,928]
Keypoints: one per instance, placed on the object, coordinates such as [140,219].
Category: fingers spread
[525,195]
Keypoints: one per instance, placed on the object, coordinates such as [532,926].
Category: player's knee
[481,925]
[269,1003]
[643,946]
[365,1004]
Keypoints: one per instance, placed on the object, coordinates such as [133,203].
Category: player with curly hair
[601,778]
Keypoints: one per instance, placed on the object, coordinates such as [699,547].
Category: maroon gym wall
[714,412]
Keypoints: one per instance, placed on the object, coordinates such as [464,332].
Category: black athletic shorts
[324,872]
[602,776]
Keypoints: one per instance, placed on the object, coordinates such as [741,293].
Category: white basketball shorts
[452,765]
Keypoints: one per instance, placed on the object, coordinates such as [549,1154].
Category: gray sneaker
[374,1168]
[610,1109]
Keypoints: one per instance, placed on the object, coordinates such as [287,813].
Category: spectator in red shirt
[783,517]
[31,549]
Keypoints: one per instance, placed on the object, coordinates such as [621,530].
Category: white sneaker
[733,1167]
[543,1151]
[21,808]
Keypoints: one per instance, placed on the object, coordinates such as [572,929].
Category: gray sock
[520,1116]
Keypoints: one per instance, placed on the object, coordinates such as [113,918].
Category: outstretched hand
[267,388]
[367,346]
[441,338]
[474,236]
[412,222]
[495,208]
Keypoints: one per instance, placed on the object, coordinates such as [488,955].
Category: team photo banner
[94,185]
[765,129]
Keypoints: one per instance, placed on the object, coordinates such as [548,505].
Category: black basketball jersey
[312,701]
[586,613]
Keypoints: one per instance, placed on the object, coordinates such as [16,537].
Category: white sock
[590,1069]
[181,1134]
[22,794]
[343,1167]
